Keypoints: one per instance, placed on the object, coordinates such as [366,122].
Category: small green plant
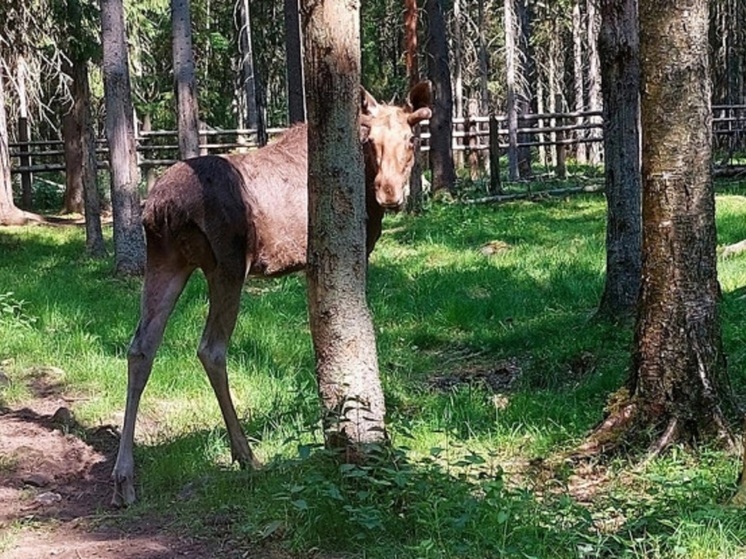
[13,313]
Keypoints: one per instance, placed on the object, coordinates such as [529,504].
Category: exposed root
[20,217]
[734,249]
[664,441]
[609,434]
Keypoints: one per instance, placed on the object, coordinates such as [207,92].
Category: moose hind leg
[161,289]
[225,295]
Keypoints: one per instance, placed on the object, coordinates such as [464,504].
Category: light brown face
[389,144]
[390,150]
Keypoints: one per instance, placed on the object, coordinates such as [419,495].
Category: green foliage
[492,367]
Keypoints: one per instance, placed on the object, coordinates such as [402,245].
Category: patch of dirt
[55,490]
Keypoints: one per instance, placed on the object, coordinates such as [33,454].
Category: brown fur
[245,215]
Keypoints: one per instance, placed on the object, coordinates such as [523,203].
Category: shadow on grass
[393,506]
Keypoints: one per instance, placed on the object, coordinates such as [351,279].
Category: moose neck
[374,211]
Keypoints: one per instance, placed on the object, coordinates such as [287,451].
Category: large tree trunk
[619,47]
[129,241]
[342,329]
[678,385]
[441,123]
[294,57]
[185,82]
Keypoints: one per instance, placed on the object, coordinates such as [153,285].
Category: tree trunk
[10,214]
[458,78]
[411,17]
[341,325]
[527,72]
[80,157]
[27,196]
[294,57]
[678,386]
[129,242]
[595,102]
[619,47]
[185,82]
[577,49]
[248,74]
[483,56]
[511,79]
[441,123]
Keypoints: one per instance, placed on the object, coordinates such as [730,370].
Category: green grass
[469,474]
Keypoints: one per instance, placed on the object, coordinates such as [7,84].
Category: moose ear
[420,96]
[368,104]
[365,125]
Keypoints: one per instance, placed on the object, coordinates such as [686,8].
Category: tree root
[609,434]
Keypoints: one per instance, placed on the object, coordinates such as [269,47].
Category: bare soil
[55,491]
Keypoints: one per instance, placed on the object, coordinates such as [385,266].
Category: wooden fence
[478,143]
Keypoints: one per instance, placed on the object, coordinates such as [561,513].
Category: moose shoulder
[246,215]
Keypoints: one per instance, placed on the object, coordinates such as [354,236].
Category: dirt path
[54,492]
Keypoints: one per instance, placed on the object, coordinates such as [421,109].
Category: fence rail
[476,141]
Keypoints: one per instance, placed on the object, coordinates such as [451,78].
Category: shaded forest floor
[493,369]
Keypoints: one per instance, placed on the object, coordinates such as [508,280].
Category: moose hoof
[124,493]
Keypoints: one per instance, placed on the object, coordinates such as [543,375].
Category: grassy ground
[492,366]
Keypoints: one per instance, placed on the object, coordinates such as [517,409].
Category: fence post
[495,185]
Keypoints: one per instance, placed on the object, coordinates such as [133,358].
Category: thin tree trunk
[411,17]
[595,100]
[526,69]
[94,239]
[458,77]
[10,214]
[619,47]
[129,241]
[341,325]
[441,123]
[484,91]
[511,79]
[185,80]
[577,49]
[27,196]
[248,74]
[294,56]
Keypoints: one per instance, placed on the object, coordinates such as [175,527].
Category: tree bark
[80,156]
[129,241]
[253,115]
[595,100]
[10,214]
[678,388]
[441,123]
[619,48]
[526,68]
[511,79]
[577,49]
[27,196]
[294,57]
[411,17]
[185,82]
[341,325]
